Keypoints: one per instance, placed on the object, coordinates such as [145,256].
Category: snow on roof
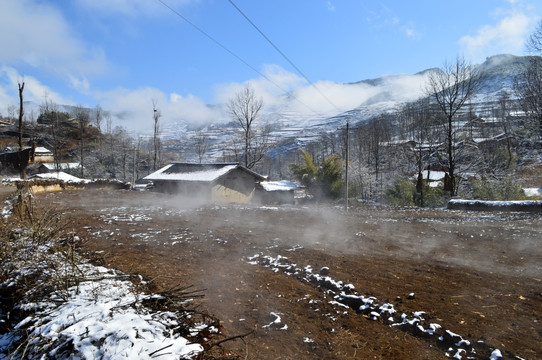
[191,172]
[69,165]
[433,175]
[496,203]
[59,175]
[42,150]
[533,192]
[281,185]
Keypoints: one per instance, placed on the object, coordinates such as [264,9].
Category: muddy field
[277,273]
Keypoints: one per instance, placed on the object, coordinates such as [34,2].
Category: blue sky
[122,54]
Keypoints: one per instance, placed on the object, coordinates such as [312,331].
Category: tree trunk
[23,167]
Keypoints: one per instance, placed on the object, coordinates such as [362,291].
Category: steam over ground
[478,275]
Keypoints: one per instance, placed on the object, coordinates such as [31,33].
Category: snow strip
[346,296]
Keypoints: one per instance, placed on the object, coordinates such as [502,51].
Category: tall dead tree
[21,88]
[451,87]
[156,138]
[21,113]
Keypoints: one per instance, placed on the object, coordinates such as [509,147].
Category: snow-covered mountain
[303,115]
[294,123]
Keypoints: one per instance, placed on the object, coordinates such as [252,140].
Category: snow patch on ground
[104,319]
[76,310]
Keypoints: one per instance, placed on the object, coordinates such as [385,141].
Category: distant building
[276,192]
[43,155]
[51,167]
[229,182]
[60,175]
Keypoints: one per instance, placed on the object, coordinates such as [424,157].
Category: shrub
[401,194]
[435,196]
[323,181]
[499,190]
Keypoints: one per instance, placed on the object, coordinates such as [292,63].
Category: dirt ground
[476,274]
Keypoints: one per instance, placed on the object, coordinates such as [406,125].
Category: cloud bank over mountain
[124,54]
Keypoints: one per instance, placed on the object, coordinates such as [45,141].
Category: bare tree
[201,144]
[451,87]
[418,119]
[244,108]
[528,88]
[83,116]
[124,148]
[50,115]
[108,159]
[11,113]
[156,138]
[98,117]
[534,43]
[259,147]
[503,113]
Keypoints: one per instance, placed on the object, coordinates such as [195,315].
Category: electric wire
[234,54]
[282,54]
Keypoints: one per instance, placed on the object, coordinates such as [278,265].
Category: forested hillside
[397,146]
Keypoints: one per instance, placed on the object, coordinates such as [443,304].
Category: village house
[228,182]
[48,167]
[43,155]
[276,192]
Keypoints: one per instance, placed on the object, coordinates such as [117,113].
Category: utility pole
[82,127]
[346,166]
[134,169]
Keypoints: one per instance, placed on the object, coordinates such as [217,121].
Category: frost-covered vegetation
[488,148]
[492,137]
[55,304]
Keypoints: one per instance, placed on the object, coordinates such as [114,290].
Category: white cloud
[80,84]
[192,109]
[507,36]
[39,36]
[330,6]
[324,97]
[34,90]
[131,8]
[280,82]
[411,32]
[134,111]
[328,98]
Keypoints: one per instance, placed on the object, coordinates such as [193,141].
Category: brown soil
[476,274]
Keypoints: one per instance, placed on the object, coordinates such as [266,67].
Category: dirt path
[478,275]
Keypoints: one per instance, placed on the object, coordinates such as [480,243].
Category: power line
[282,54]
[232,53]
